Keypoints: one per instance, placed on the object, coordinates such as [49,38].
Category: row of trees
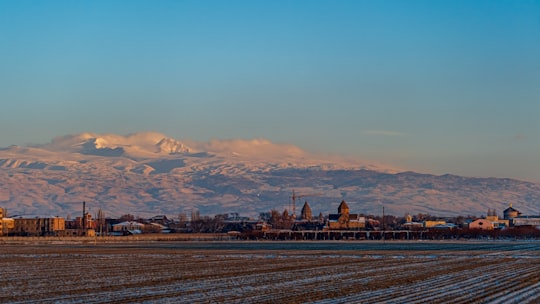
[283,221]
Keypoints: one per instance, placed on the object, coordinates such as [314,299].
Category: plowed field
[271,272]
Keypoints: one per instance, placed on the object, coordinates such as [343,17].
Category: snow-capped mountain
[149,173]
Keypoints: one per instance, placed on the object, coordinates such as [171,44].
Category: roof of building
[159,225]
[413,224]
[352,217]
[482,221]
[342,207]
[306,208]
[333,217]
[30,217]
[159,218]
[510,209]
[355,217]
[129,223]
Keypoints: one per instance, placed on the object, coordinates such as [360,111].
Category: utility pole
[383,224]
[383,227]
[83,218]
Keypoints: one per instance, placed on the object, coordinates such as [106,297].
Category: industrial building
[6,224]
[38,226]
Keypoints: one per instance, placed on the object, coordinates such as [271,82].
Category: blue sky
[431,86]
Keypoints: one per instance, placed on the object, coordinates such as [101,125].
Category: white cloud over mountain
[144,144]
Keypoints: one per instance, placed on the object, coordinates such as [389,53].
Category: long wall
[116,239]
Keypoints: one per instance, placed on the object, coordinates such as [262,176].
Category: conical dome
[343,208]
[306,212]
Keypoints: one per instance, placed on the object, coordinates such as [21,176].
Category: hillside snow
[149,173]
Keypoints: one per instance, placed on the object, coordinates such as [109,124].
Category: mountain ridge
[149,173]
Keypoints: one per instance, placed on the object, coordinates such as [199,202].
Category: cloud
[384,133]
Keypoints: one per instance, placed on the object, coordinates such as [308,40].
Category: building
[526,220]
[431,224]
[510,213]
[2,227]
[86,222]
[129,227]
[413,225]
[159,219]
[482,224]
[497,222]
[81,226]
[37,226]
[6,224]
[512,217]
[410,225]
[345,220]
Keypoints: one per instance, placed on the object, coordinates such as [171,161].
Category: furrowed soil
[271,272]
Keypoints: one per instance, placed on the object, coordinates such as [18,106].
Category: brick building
[36,226]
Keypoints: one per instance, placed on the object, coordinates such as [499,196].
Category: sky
[430,86]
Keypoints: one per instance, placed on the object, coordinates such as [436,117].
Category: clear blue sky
[433,86]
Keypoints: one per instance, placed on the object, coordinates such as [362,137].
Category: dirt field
[271,272]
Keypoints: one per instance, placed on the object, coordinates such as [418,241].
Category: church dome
[343,208]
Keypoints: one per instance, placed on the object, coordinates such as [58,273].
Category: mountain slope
[149,173]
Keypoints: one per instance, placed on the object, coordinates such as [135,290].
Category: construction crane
[295,196]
